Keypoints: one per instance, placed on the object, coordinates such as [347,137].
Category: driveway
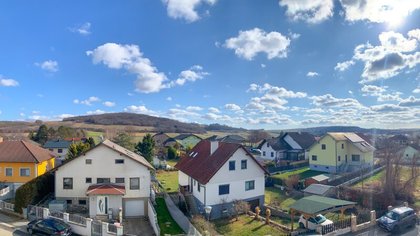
[138,226]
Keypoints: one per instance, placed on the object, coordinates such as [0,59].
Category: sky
[270,64]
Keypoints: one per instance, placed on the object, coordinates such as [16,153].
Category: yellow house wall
[367,157]
[324,157]
[16,178]
[46,165]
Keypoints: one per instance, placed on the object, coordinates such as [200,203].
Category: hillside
[324,129]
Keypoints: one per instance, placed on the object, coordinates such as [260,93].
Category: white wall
[236,179]
[268,151]
[153,218]
[292,142]
[182,178]
[62,155]
[103,166]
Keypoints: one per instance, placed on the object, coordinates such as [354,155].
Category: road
[376,231]
[12,232]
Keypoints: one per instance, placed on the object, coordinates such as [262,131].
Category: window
[88,161]
[134,183]
[69,202]
[327,167]
[9,171]
[342,146]
[272,154]
[268,145]
[244,164]
[231,165]
[323,146]
[119,180]
[314,157]
[103,180]
[223,189]
[119,161]
[263,153]
[88,180]
[60,150]
[25,172]
[339,158]
[199,187]
[249,185]
[82,202]
[67,183]
[355,157]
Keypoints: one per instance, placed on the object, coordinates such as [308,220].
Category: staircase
[191,204]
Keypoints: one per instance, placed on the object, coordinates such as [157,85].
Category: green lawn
[95,135]
[169,180]
[278,198]
[167,225]
[245,226]
[303,173]
[172,162]
[285,221]
[374,179]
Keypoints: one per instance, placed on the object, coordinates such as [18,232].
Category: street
[12,232]
[376,231]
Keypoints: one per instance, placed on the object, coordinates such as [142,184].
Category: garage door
[134,208]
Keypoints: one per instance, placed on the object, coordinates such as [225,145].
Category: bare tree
[257,135]
[240,207]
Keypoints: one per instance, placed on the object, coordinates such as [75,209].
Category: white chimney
[213,146]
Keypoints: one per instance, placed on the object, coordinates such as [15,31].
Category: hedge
[34,191]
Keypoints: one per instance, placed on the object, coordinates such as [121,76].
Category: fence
[77,219]
[57,214]
[4,191]
[341,224]
[112,228]
[275,169]
[96,228]
[153,218]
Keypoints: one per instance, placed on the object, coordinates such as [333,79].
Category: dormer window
[323,146]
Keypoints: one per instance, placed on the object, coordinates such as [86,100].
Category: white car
[314,222]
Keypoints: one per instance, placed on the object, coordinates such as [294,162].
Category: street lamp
[207,209]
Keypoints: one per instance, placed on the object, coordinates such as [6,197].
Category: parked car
[49,226]
[397,219]
[314,222]
[255,151]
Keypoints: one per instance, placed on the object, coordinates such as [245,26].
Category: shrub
[203,225]
[34,191]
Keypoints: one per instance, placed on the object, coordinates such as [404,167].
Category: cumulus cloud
[186,9]
[232,107]
[61,116]
[83,29]
[8,82]
[194,108]
[310,11]
[312,74]
[275,91]
[109,104]
[329,100]
[372,90]
[379,92]
[416,90]
[139,110]
[378,11]
[252,42]
[130,58]
[49,65]
[387,108]
[88,101]
[213,110]
[343,66]
[410,102]
[194,73]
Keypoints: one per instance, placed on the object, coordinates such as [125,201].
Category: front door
[101,205]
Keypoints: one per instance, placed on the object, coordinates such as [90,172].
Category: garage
[133,208]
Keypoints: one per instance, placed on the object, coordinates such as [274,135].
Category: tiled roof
[304,139]
[57,144]
[108,189]
[22,151]
[202,166]
[233,138]
[184,136]
[277,144]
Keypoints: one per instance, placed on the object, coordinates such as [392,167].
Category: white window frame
[5,171]
[20,172]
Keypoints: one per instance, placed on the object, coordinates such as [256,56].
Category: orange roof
[106,189]
[23,151]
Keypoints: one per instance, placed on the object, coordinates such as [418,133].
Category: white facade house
[106,179]
[268,152]
[59,147]
[217,173]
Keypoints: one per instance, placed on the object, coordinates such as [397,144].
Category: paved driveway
[376,231]
[138,226]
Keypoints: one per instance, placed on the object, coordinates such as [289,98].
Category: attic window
[195,154]
[191,154]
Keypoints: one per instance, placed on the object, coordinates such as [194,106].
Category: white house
[218,173]
[105,179]
[59,147]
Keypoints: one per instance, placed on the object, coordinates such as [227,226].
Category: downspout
[336,157]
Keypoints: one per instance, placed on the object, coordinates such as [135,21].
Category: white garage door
[134,208]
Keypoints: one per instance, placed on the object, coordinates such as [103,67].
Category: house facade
[22,161]
[216,174]
[59,147]
[106,179]
[340,152]
[410,152]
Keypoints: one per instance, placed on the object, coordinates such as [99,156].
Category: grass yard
[95,135]
[303,173]
[169,180]
[245,226]
[172,162]
[167,225]
[372,180]
[285,222]
[274,196]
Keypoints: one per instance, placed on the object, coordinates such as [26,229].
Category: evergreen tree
[124,140]
[76,149]
[41,135]
[91,142]
[172,153]
[146,147]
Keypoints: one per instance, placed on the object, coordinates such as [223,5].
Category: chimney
[1,139]
[213,146]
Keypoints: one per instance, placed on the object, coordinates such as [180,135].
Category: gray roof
[57,144]
[318,189]
[320,177]
[317,204]
[276,143]
[304,139]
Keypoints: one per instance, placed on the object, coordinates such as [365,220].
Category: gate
[35,212]
[96,228]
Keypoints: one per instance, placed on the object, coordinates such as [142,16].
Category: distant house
[58,147]
[320,190]
[105,179]
[409,152]
[160,139]
[399,139]
[187,140]
[217,173]
[340,152]
[290,149]
[22,161]
[233,138]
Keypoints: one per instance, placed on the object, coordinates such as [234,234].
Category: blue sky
[254,64]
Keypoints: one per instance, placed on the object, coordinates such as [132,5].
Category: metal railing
[112,228]
[341,224]
[77,219]
[57,214]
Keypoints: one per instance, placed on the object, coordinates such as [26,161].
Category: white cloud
[410,102]
[96,112]
[109,104]
[178,113]
[387,108]
[185,9]
[329,100]
[342,66]
[194,108]
[88,101]
[49,65]
[251,42]
[416,90]
[194,73]
[232,107]
[62,116]
[372,90]
[138,109]
[83,29]
[275,91]
[311,11]
[129,57]
[213,110]
[169,99]
[378,11]
[312,74]
[8,82]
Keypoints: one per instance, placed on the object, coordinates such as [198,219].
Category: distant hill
[322,130]
[158,123]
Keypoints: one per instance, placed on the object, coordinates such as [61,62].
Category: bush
[34,191]
[203,225]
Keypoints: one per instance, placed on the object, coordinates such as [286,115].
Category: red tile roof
[108,189]
[23,151]
[202,166]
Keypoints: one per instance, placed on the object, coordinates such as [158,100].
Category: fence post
[104,227]
[353,225]
[66,217]
[120,231]
[372,217]
[45,213]
[89,225]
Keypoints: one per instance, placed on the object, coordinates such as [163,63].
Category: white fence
[153,218]
[7,206]
[4,191]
